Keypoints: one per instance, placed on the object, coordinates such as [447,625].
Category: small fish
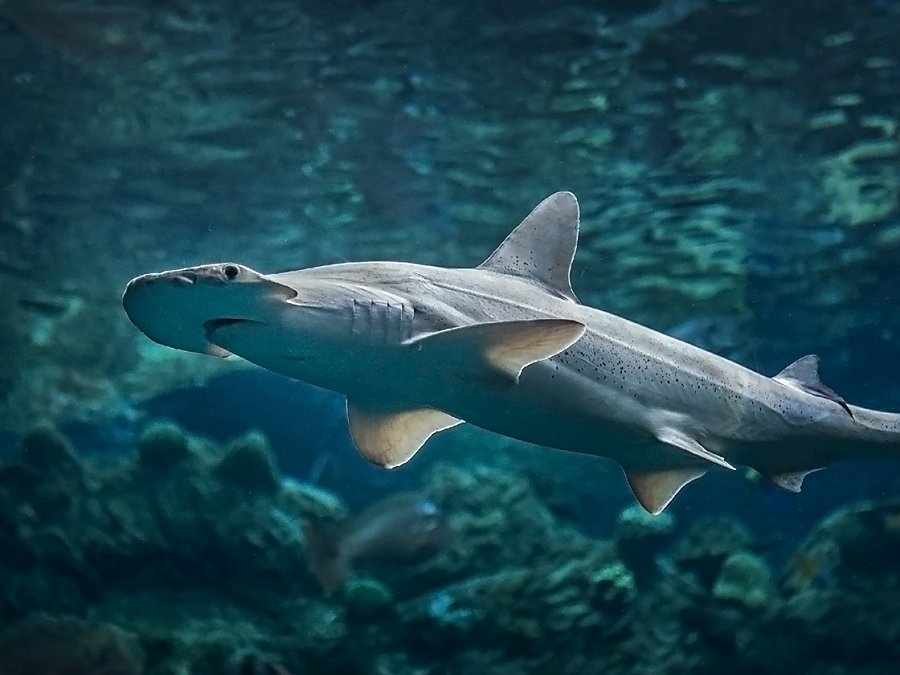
[249,663]
[892,522]
[402,526]
[82,33]
[883,517]
[815,566]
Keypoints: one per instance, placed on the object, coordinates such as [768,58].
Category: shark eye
[231,271]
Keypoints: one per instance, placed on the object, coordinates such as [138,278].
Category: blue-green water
[737,164]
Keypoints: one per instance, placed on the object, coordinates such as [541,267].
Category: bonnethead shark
[508,347]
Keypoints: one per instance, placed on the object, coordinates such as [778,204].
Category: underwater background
[737,163]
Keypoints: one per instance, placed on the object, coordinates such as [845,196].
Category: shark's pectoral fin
[390,438]
[682,441]
[655,489]
[501,347]
[803,374]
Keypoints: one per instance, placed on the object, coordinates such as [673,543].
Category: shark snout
[173,308]
[182,308]
[143,282]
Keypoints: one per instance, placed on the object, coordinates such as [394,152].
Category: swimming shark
[508,347]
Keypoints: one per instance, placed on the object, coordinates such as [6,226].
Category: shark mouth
[214,324]
[210,327]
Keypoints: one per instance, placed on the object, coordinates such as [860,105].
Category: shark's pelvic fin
[542,246]
[682,441]
[499,347]
[803,374]
[655,489]
[390,438]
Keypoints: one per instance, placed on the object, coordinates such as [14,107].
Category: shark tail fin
[327,562]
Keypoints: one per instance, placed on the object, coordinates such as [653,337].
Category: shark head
[181,308]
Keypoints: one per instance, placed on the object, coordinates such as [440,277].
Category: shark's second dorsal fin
[542,247]
[803,374]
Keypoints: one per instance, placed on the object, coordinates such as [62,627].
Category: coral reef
[709,542]
[248,464]
[162,445]
[187,557]
[745,579]
[640,537]
[63,645]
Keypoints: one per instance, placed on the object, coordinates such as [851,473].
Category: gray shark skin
[507,346]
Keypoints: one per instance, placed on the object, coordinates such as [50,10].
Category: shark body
[507,346]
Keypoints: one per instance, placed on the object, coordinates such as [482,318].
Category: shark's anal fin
[501,347]
[390,438]
[803,374]
[542,246]
[682,441]
[791,481]
[655,489]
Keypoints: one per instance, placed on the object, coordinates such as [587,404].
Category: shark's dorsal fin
[542,247]
[390,438]
[655,489]
[502,348]
[803,374]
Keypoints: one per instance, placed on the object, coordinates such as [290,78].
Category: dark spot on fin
[803,374]
[655,489]
[327,561]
